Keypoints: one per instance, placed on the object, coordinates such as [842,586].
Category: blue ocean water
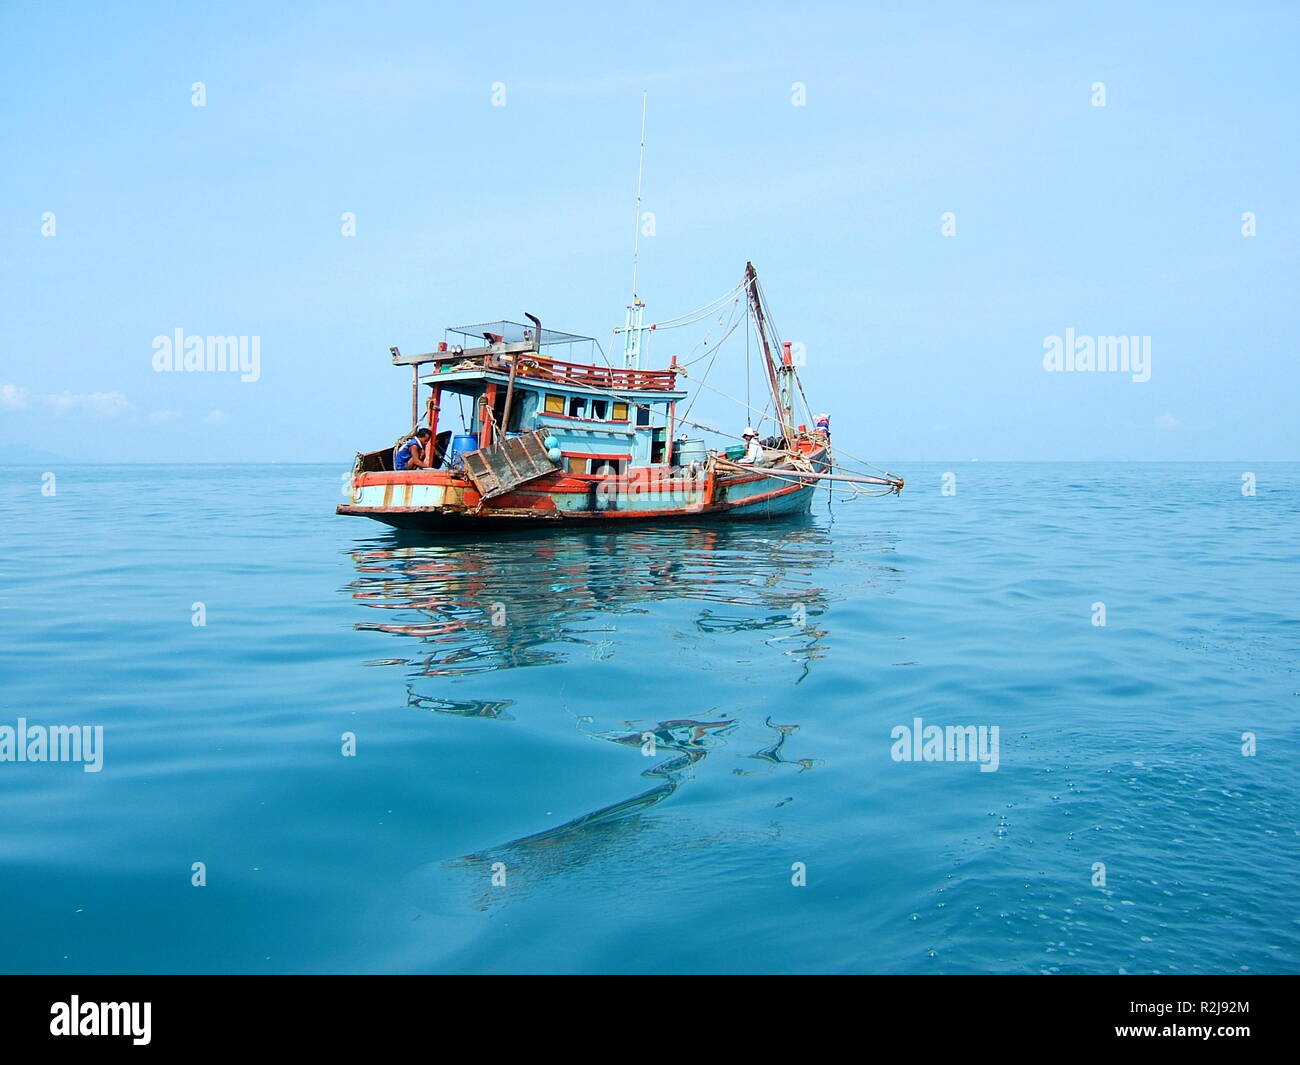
[503,810]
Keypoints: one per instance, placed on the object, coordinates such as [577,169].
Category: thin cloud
[12,397]
[103,404]
[670,75]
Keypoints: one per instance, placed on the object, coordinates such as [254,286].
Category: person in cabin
[753,455]
[409,454]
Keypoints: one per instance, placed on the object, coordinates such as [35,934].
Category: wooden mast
[760,322]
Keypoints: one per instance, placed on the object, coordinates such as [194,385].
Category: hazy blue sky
[226,218]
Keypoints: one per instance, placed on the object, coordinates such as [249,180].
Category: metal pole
[640,174]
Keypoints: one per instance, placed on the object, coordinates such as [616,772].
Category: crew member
[409,454]
[753,455]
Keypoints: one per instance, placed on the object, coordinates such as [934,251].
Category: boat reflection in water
[649,599]
[484,607]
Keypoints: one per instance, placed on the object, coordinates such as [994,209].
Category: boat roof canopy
[514,333]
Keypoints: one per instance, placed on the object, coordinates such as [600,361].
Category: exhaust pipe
[514,369]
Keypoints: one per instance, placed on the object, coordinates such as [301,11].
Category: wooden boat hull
[440,500]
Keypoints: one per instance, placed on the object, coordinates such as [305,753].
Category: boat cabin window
[576,405]
[643,415]
[554,403]
[601,466]
[620,412]
[598,409]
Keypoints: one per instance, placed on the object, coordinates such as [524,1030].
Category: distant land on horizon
[22,455]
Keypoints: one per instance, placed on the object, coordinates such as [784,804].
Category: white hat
[749,431]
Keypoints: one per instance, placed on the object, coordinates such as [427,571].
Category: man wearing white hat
[753,449]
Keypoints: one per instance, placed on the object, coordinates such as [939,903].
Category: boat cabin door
[658,445]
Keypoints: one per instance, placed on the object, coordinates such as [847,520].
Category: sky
[929,192]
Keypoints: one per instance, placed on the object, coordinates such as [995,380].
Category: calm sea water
[769,661]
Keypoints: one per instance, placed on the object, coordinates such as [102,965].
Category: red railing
[576,373]
[540,368]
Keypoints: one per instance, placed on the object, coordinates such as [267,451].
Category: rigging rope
[807,407]
[732,323]
[696,315]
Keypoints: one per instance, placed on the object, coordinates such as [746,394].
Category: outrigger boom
[896,483]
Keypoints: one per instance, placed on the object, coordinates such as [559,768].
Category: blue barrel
[688,451]
[461,443]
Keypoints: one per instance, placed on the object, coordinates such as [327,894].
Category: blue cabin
[499,378]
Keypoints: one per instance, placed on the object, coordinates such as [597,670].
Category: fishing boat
[548,441]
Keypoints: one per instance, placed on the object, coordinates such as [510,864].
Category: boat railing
[577,373]
[541,368]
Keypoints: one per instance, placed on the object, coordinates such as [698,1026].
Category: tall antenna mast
[640,177]
[633,328]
